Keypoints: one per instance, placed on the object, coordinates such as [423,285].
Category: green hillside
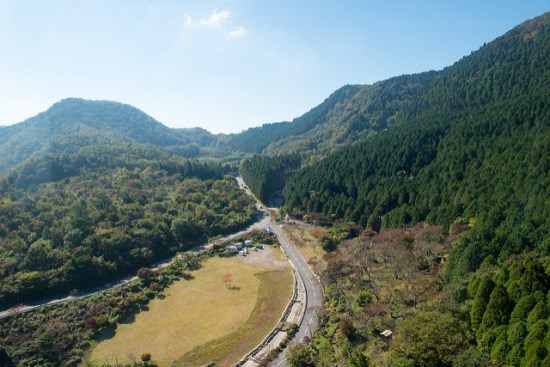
[472,150]
[97,193]
[59,164]
[266,175]
[72,123]
[351,113]
[467,147]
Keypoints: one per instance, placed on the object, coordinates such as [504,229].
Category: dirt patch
[268,258]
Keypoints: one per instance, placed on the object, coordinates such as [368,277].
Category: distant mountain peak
[99,120]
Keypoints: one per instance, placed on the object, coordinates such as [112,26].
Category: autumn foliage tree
[226,279]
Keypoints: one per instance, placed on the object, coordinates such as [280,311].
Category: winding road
[314,293]
[313,289]
[312,286]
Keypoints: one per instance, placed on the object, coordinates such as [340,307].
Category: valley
[415,214]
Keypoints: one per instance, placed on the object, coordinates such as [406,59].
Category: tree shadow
[128,319]
[108,333]
[188,276]
[234,288]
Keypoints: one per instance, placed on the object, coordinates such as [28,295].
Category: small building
[239,245]
[388,334]
[243,252]
[231,249]
[247,243]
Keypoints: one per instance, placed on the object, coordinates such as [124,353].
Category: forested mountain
[59,164]
[474,145]
[350,114]
[470,150]
[95,193]
[266,175]
[72,123]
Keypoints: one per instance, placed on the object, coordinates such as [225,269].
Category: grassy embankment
[306,239]
[202,319]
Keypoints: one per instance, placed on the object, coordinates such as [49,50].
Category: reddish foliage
[317,232]
[90,322]
[376,309]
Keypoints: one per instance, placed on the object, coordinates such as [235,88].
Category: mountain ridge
[75,120]
[361,106]
[456,146]
[350,114]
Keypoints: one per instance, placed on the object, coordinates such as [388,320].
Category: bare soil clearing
[268,258]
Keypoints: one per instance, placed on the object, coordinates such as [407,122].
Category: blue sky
[226,65]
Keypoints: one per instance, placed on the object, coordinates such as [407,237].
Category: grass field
[199,311]
[273,295]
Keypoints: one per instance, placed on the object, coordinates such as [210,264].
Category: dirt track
[268,258]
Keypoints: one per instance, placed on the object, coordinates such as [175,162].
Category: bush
[347,329]
[144,273]
[363,298]
[471,357]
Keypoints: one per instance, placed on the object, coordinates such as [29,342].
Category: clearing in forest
[204,314]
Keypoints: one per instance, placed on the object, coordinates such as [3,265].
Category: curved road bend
[314,289]
[314,294]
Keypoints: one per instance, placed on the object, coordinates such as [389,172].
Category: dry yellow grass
[193,313]
[273,295]
[307,244]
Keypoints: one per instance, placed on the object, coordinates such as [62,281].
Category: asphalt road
[312,285]
[314,293]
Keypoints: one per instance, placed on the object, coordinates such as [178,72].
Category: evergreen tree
[481,300]
[497,311]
